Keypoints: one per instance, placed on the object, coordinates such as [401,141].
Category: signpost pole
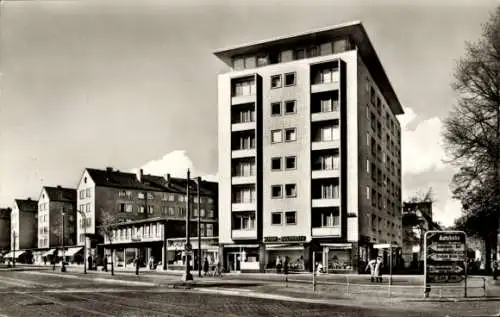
[390,269]
[314,271]
[426,291]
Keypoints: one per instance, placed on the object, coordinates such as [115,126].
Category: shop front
[241,258]
[176,254]
[293,253]
[337,257]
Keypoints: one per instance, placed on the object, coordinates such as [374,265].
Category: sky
[132,84]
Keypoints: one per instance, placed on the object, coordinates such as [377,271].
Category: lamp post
[198,182]
[82,214]
[63,267]
[187,249]
[14,248]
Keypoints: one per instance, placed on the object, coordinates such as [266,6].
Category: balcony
[243,126]
[324,145]
[322,116]
[327,232]
[331,173]
[244,153]
[331,81]
[250,206]
[238,100]
[326,202]
[243,180]
[244,234]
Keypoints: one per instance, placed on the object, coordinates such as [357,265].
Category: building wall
[43,220]
[55,223]
[5,235]
[27,236]
[86,204]
[14,228]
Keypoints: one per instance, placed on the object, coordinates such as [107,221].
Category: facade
[23,229]
[133,215]
[4,230]
[417,220]
[55,206]
[309,152]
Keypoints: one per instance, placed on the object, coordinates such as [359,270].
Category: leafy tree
[108,221]
[472,135]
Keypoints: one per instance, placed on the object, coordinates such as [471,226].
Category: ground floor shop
[328,257]
[177,255]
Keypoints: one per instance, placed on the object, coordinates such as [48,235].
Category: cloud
[175,163]
[421,146]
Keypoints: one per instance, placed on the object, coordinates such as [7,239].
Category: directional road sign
[445,256]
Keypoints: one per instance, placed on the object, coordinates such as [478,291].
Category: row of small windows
[383,111]
[381,179]
[289,217]
[290,135]
[276,80]
[165,210]
[165,196]
[290,163]
[267,58]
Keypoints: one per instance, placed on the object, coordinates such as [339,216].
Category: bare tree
[472,134]
[108,221]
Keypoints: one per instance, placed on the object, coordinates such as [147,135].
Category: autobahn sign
[445,257]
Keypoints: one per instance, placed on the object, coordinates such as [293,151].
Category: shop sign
[285,239]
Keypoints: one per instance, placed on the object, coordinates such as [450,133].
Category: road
[47,293]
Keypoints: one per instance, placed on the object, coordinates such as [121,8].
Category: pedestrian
[151,263]
[89,261]
[494,266]
[371,267]
[278,265]
[205,266]
[285,266]
[219,269]
[105,263]
[378,269]
[136,265]
[44,260]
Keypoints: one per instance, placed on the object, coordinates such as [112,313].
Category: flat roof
[353,30]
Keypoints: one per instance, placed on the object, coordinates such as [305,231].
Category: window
[276,108]
[290,135]
[368,166]
[210,229]
[276,136]
[276,81]
[276,218]
[238,63]
[244,88]
[262,60]
[329,191]
[329,133]
[244,195]
[121,194]
[195,212]
[88,193]
[247,142]
[290,106]
[171,211]
[140,195]
[328,105]
[140,209]
[299,53]
[210,214]
[290,217]
[250,62]
[328,75]
[244,222]
[151,196]
[151,209]
[247,115]
[82,194]
[312,51]
[291,190]
[290,79]
[122,207]
[291,162]
[325,49]
[202,213]
[276,163]
[330,218]
[276,191]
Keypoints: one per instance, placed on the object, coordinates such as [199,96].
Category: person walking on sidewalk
[494,267]
[105,263]
[205,266]
[137,264]
[374,266]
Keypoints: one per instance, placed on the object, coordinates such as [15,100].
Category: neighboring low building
[23,229]
[141,208]
[4,230]
[417,220]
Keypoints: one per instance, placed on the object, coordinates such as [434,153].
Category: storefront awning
[337,246]
[11,254]
[50,252]
[288,247]
[241,246]
[72,251]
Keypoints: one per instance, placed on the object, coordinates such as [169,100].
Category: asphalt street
[47,293]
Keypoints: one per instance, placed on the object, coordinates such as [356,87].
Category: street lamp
[187,249]
[14,248]
[198,182]
[82,214]
[63,267]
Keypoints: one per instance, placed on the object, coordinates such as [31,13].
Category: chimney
[109,169]
[139,175]
[167,177]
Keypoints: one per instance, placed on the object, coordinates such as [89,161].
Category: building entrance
[233,261]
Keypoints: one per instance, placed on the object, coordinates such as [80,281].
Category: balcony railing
[244,234]
[327,231]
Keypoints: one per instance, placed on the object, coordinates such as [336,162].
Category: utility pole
[63,268]
[14,248]
[198,183]
[84,218]
[187,249]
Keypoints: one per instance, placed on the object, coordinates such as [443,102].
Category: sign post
[444,259]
